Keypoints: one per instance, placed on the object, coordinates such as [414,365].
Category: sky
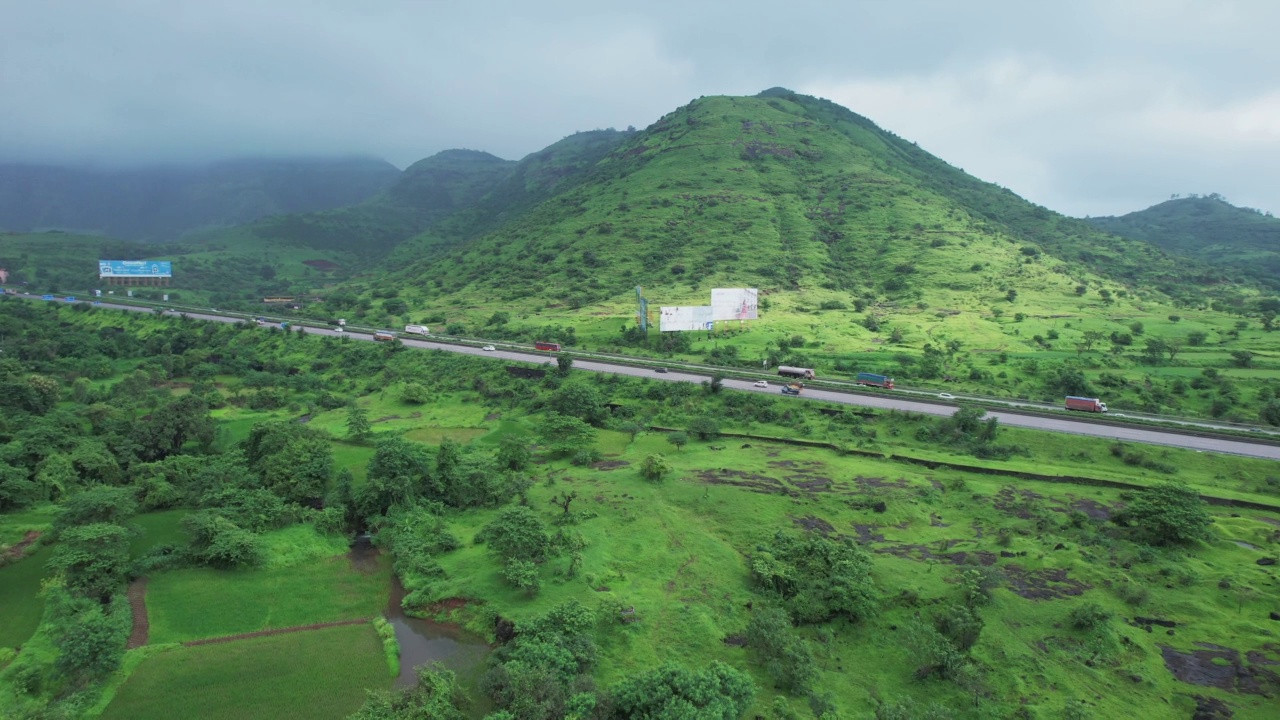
[1089,107]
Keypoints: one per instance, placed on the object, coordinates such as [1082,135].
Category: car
[946,396]
[762,383]
[661,370]
[489,348]
[337,329]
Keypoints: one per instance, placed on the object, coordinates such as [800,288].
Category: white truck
[417,329]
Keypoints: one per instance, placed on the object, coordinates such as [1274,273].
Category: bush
[219,542]
[785,656]
[1166,514]
[654,467]
[816,578]
[1088,616]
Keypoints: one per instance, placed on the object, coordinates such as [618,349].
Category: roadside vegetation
[784,558]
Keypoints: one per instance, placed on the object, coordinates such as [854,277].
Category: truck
[549,346]
[384,335]
[792,388]
[1085,404]
[795,372]
[417,329]
[874,380]
[284,326]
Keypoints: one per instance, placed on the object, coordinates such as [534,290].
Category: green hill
[1210,231]
[162,203]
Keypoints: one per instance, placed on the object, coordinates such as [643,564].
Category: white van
[417,329]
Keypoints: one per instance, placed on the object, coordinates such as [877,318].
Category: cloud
[1086,107]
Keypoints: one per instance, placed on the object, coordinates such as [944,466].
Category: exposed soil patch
[448,605]
[872,482]
[865,534]
[17,550]
[937,485]
[1095,510]
[265,633]
[492,416]
[304,419]
[1016,502]
[322,265]
[1223,668]
[1046,584]
[138,604]
[814,524]
[811,483]
[738,640]
[609,464]
[751,481]
[1270,521]
[1211,709]
[923,552]
[386,418]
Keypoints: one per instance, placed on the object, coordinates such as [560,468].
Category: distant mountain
[1209,230]
[162,203]
[444,199]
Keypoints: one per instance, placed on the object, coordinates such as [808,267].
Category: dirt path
[265,633]
[138,603]
[15,552]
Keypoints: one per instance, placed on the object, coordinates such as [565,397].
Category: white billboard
[734,304]
[684,318]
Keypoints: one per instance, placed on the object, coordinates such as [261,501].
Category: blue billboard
[135,268]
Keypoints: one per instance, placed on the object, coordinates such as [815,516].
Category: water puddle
[1245,545]
[423,641]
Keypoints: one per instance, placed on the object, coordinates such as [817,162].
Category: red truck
[1085,404]
[553,347]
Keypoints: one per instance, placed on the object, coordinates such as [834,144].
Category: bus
[553,347]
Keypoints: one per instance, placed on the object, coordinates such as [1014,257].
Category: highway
[1011,419]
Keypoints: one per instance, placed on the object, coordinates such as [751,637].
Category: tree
[1168,513]
[1172,347]
[358,427]
[523,575]
[113,505]
[564,363]
[93,559]
[1155,350]
[165,431]
[679,439]
[398,472]
[704,428]
[436,696]
[90,642]
[717,383]
[415,393]
[563,434]
[518,534]
[1011,296]
[1092,337]
[1197,338]
[784,655]
[293,461]
[498,318]
[630,428]
[1270,413]
[1241,358]
[654,467]
[816,578]
[718,692]
[581,401]
[218,542]
[513,452]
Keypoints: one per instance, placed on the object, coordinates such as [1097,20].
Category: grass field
[204,603]
[315,674]
[20,603]
[676,552]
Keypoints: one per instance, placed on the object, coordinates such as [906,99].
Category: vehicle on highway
[1085,404]
[417,329]
[873,380]
[553,347]
[488,348]
[792,388]
[661,370]
[337,329]
[762,383]
[382,335]
[946,396]
[795,372]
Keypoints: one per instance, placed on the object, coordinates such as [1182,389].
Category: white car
[762,383]
[946,396]
[338,329]
[488,347]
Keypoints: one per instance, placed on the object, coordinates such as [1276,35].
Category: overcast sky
[1087,107]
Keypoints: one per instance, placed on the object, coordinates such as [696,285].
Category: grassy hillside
[1210,231]
[162,203]
[870,254]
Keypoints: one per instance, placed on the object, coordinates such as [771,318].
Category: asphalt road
[1063,425]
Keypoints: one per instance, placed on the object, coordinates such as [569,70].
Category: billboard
[135,268]
[685,318]
[734,304]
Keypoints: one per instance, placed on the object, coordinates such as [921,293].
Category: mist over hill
[162,203]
